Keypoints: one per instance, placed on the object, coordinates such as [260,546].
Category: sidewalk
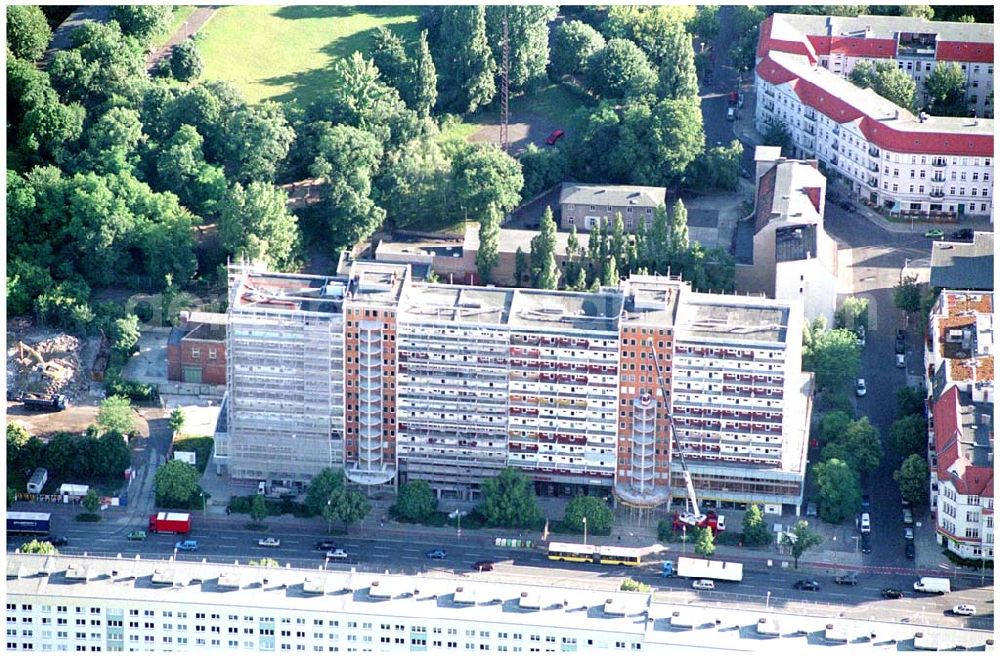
[189,28]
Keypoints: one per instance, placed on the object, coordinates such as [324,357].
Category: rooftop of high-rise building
[289,292]
[747,319]
[376,283]
[456,303]
[963,265]
[651,300]
[566,310]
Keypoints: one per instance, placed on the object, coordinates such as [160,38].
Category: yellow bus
[594,554]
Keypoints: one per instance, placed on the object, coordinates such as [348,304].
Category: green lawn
[181,14]
[285,53]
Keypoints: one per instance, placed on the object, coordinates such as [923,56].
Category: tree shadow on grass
[297,12]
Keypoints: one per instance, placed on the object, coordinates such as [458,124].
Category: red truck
[170,523]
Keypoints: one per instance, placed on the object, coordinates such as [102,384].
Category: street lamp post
[767,601]
[585,530]
[329,525]
[204,508]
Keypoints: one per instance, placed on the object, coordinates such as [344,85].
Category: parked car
[908,533]
[910,550]
[908,516]
[900,361]
[137,535]
[861,388]
[703,585]
[891,593]
[325,545]
[866,544]
[964,609]
[900,344]
[483,565]
[554,136]
[731,114]
[866,502]
[337,553]
[847,206]
[905,503]
[733,98]
[55,540]
[269,542]
[186,546]
[847,578]
[934,234]
[437,553]
[861,335]
[740,100]
[807,585]
[866,523]
[811,510]
[963,234]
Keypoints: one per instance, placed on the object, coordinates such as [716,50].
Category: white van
[262,488]
[703,585]
[731,114]
[933,585]
[866,523]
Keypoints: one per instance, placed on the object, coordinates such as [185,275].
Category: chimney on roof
[895,115]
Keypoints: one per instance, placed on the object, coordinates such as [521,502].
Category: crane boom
[686,518]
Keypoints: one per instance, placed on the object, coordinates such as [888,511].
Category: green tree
[108,455]
[746,20]
[679,239]
[778,135]
[103,64]
[853,312]
[415,501]
[704,544]
[628,584]
[678,78]
[145,22]
[329,513]
[509,500]
[112,142]
[182,169]
[755,531]
[888,81]
[185,61]
[621,70]
[28,32]
[36,547]
[945,87]
[917,11]
[115,414]
[908,435]
[859,446]
[389,56]
[717,168]
[521,267]
[545,272]
[838,488]
[489,245]
[542,169]
[910,401]
[41,126]
[486,180]
[176,422]
[596,511]
[609,271]
[527,38]
[255,221]
[800,539]
[11,497]
[17,439]
[834,356]
[328,484]
[912,477]
[705,22]
[833,425]
[420,94]
[258,508]
[573,243]
[125,334]
[92,501]
[176,484]
[257,140]
[907,294]
[467,67]
[573,44]
[351,507]
[415,185]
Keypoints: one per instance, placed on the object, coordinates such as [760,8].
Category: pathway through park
[195,22]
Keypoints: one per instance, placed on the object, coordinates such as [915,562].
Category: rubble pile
[44,361]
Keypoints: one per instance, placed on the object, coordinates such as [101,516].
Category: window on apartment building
[961,191]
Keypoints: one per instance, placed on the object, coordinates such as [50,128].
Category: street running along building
[901,162]
[393,380]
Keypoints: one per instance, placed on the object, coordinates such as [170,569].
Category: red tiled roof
[963,51]
[972,479]
[813,193]
[765,199]
[765,43]
[853,46]
[876,132]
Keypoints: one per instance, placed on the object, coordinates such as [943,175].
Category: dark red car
[554,136]
[733,97]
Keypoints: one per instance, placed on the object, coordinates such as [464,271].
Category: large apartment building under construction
[393,380]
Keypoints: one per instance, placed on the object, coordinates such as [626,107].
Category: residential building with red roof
[959,379]
[937,167]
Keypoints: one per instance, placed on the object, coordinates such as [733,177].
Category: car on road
[934,234]
[911,551]
[186,546]
[964,609]
[963,234]
[900,361]
[847,578]
[866,523]
[731,114]
[866,502]
[483,565]
[55,540]
[905,503]
[336,553]
[866,544]
[325,545]
[861,389]
[269,542]
[908,533]
[437,553]
[891,593]
[137,535]
[740,100]
[734,98]
[703,585]
[900,344]
[807,585]
[908,516]
[861,335]
[555,136]
[811,510]
[847,206]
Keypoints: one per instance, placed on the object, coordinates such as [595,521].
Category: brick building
[196,351]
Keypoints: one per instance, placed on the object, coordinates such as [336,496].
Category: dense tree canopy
[528,39]
[144,22]
[886,79]
[509,500]
[28,32]
[464,61]
[103,64]
[185,62]
[258,140]
[255,223]
[621,70]
[945,87]
[839,490]
[573,44]
[486,180]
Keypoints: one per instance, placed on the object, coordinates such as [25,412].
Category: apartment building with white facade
[890,158]
[959,379]
[89,605]
[916,45]
[450,383]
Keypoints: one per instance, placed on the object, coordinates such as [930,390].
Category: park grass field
[181,14]
[285,53]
